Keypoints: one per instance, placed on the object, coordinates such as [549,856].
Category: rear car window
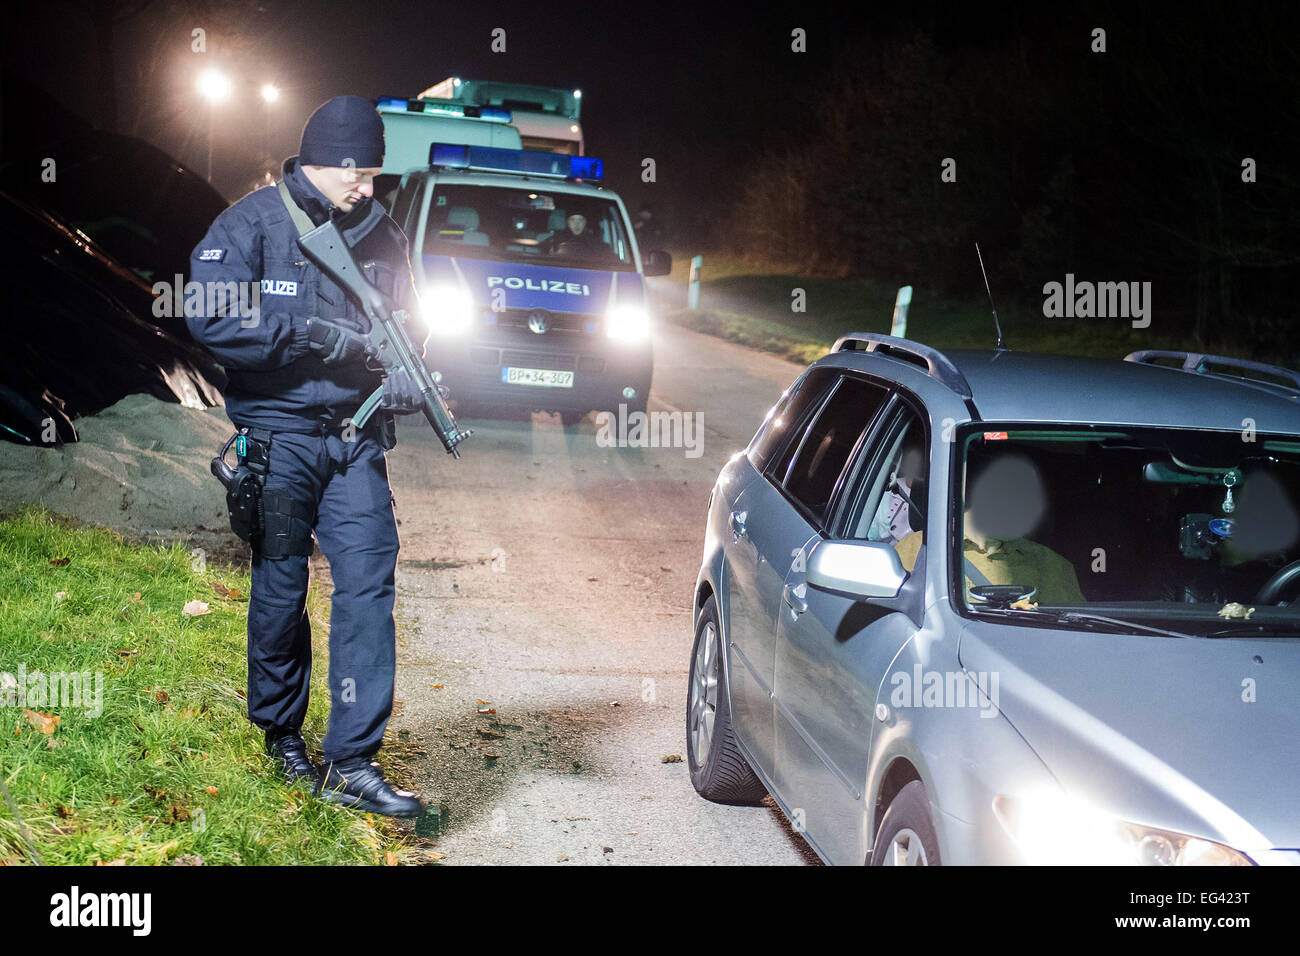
[820,459]
[788,415]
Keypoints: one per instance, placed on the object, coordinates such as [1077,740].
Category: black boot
[288,751]
[356,782]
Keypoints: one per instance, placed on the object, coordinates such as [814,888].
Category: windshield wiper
[1248,629]
[1083,617]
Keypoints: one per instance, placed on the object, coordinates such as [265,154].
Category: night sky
[686,86]
[1071,160]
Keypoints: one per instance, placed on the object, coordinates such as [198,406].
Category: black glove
[401,395]
[334,344]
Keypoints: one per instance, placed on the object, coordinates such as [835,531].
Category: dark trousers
[346,484]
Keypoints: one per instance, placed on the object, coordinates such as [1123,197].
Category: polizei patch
[212,255]
[279,287]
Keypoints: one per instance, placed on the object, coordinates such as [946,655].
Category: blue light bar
[524,162]
[586,167]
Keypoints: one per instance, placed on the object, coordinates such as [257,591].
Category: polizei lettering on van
[540,285]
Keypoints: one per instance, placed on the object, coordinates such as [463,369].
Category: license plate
[548,377]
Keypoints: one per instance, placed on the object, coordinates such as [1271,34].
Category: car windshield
[527,225]
[1191,530]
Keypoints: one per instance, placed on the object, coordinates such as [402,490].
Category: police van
[530,280]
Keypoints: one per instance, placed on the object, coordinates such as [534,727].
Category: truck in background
[548,118]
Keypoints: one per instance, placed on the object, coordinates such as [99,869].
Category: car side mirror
[857,569]
[657,263]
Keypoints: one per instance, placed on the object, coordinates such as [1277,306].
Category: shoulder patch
[212,255]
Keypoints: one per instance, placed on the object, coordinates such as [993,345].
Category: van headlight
[628,323]
[448,309]
[1052,829]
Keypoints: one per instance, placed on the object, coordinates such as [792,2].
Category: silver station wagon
[993,607]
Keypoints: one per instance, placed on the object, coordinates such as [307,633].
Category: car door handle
[793,596]
[737,523]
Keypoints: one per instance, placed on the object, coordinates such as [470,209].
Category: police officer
[297,372]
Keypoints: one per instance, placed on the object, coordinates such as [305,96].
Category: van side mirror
[657,263]
[857,569]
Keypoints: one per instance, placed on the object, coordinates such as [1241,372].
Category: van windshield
[1194,530]
[527,225]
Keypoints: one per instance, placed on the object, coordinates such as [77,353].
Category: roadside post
[693,289]
[901,302]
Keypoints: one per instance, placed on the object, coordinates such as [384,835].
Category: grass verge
[161,765]
[751,303]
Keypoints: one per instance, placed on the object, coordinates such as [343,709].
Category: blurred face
[577,223]
[344,186]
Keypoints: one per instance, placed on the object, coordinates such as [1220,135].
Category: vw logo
[539,321]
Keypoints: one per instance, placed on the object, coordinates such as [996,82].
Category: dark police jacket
[275,381]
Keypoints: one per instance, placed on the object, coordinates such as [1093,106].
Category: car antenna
[996,324]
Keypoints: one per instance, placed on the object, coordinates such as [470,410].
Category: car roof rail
[1199,364]
[938,365]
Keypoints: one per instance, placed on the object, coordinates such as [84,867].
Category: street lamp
[270,95]
[214,86]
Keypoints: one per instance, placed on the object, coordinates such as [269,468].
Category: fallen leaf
[435,687]
[561,859]
[45,723]
[160,695]
[135,598]
[212,791]
[390,858]
[434,855]
[220,588]
[60,595]
[672,758]
[234,594]
[48,635]
[607,849]
[60,562]
[195,608]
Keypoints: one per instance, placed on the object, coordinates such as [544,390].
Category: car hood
[1196,735]
[527,287]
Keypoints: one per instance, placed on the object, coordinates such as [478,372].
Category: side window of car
[891,493]
[828,443]
[786,418]
[405,200]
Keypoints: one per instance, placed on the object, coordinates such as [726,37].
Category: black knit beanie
[346,131]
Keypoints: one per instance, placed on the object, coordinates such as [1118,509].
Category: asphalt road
[548,580]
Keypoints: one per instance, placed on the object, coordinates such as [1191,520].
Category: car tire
[723,775]
[907,836]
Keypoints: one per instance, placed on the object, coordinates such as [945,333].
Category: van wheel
[719,771]
[907,836]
